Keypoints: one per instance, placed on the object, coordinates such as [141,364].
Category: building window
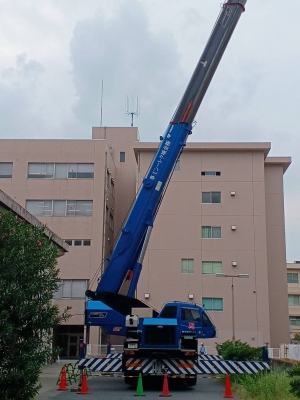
[292,278]
[71,289]
[6,169]
[295,321]
[78,242]
[122,156]
[60,171]
[211,173]
[187,266]
[294,299]
[60,208]
[40,208]
[212,304]
[211,232]
[80,171]
[40,171]
[177,166]
[81,208]
[211,267]
[211,197]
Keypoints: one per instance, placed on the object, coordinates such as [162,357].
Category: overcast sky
[54,55]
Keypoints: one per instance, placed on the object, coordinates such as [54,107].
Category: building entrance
[67,338]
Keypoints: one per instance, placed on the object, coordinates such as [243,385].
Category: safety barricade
[214,366]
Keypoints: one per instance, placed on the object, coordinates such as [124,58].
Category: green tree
[296,337]
[28,279]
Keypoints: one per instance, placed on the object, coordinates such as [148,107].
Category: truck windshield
[169,312]
[206,320]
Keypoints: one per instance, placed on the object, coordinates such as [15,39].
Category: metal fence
[274,353]
[95,350]
[293,352]
[285,351]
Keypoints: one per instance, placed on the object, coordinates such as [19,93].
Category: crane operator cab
[191,318]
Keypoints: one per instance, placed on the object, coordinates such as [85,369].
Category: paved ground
[109,388]
[49,377]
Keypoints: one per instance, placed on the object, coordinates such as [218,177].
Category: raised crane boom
[126,259]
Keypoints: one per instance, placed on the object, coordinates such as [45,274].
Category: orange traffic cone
[63,379]
[228,392]
[165,391]
[84,386]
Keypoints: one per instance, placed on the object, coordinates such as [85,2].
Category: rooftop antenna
[132,108]
[101,103]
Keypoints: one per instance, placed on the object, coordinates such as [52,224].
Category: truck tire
[129,380]
[191,381]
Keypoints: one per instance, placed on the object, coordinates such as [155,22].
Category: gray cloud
[150,48]
[131,60]
[18,102]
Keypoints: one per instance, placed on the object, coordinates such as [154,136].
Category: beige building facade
[223,212]
[293,283]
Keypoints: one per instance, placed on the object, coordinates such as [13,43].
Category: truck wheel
[191,381]
[129,381]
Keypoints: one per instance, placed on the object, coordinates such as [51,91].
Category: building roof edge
[12,205]
[211,146]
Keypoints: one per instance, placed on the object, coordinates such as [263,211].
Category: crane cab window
[190,314]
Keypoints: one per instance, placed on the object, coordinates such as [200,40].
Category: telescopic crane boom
[125,261]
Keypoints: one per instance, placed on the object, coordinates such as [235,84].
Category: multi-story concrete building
[293,283]
[222,213]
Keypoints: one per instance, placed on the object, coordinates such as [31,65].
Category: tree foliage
[294,373]
[28,279]
[239,351]
[296,337]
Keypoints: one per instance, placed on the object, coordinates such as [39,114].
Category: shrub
[239,351]
[274,385]
[295,383]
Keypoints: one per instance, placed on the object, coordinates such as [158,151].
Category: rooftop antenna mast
[132,108]
[101,104]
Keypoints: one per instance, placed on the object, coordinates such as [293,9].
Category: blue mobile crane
[169,339]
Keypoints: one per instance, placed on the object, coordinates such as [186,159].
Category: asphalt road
[110,388]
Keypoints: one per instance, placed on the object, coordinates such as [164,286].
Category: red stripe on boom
[186,112]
